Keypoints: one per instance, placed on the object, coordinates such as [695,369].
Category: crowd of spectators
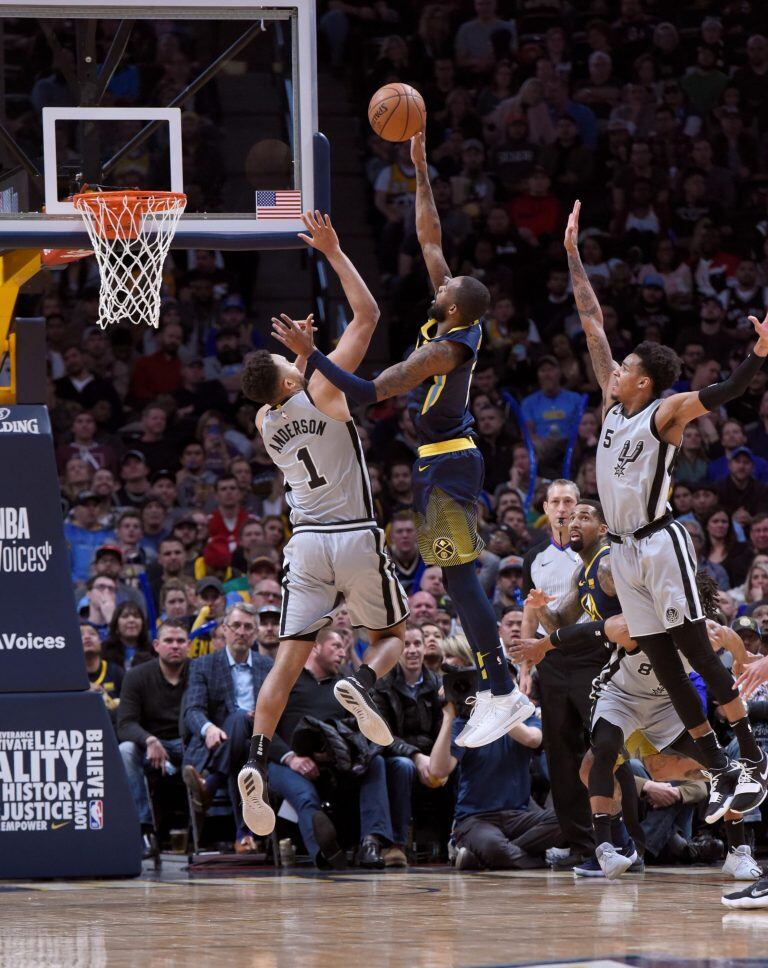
[174,514]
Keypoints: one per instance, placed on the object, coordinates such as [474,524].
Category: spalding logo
[17,426]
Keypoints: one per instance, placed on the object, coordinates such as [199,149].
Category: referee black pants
[564,686]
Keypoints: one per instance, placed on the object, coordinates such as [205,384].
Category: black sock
[748,747]
[712,754]
[619,833]
[601,824]
[734,832]
[365,676]
[259,749]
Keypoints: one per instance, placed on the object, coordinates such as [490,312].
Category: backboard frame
[58,229]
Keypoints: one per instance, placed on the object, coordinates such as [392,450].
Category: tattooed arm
[568,612]
[605,576]
[589,309]
[427,220]
[433,359]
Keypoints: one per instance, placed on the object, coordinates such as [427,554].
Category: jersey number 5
[314,479]
[608,434]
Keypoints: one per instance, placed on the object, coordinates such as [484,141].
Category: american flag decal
[278,204]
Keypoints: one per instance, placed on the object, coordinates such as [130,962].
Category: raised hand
[297,335]
[761,331]
[755,674]
[571,240]
[419,151]
[539,599]
[321,234]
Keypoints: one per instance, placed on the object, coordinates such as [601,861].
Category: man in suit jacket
[218,715]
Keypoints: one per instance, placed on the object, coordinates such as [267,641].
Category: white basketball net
[131,233]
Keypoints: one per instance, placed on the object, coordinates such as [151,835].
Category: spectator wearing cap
[84,534]
[212,602]
[160,372]
[108,561]
[536,210]
[105,678]
[225,364]
[740,492]
[264,567]
[267,630]
[550,412]
[152,439]
[651,308]
[82,386]
[750,633]
[218,715]
[85,446]
[164,489]
[508,584]
[195,395]
[732,436]
[134,473]
[229,516]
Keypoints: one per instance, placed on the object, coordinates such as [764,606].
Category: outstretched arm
[568,612]
[427,220]
[433,359]
[678,410]
[355,339]
[590,314]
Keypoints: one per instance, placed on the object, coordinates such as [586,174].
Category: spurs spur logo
[626,458]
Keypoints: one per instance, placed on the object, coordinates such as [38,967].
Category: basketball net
[131,233]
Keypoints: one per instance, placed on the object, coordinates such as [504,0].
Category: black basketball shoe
[722,790]
[752,787]
[754,896]
[356,700]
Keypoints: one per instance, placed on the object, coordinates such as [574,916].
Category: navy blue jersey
[444,413]
[596,604]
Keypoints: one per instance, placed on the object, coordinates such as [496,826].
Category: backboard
[215,100]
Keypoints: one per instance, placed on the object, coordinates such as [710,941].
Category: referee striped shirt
[552,569]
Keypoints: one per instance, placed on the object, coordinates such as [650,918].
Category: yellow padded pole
[17,266]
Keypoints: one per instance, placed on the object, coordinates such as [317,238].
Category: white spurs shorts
[327,566]
[653,716]
[655,580]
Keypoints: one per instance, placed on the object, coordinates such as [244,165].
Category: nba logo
[95,814]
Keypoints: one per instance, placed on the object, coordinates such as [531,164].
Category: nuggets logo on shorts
[443,549]
[672,615]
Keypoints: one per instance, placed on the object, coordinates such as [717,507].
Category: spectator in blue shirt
[551,412]
[84,534]
[497,825]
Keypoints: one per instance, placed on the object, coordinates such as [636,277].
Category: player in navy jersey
[448,474]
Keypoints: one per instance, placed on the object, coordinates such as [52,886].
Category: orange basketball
[396,112]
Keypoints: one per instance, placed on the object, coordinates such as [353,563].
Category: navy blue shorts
[446,488]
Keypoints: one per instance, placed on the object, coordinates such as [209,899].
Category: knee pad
[693,642]
[607,741]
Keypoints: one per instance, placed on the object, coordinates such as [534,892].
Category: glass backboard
[217,101]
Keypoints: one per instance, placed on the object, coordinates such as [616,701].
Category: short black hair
[261,377]
[511,608]
[596,506]
[472,298]
[660,363]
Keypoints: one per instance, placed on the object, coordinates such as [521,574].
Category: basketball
[396,112]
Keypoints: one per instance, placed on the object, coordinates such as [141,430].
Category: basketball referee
[565,681]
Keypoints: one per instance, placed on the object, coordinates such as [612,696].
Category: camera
[458,685]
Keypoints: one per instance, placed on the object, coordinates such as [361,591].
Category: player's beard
[577,542]
[437,312]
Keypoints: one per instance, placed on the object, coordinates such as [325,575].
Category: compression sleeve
[718,394]
[580,638]
[361,391]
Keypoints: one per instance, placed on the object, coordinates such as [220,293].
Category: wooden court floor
[421,918]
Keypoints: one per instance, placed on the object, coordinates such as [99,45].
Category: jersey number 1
[315,479]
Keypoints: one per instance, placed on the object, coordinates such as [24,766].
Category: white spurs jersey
[631,674]
[322,462]
[634,469]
